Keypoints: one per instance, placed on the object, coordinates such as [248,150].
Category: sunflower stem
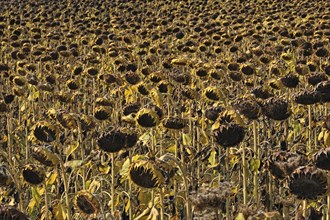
[46,201]
[309,146]
[228,178]
[244,175]
[256,157]
[328,202]
[162,208]
[112,184]
[304,208]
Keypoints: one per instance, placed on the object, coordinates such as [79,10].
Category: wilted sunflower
[67,120]
[174,123]
[308,183]
[131,108]
[145,173]
[33,174]
[8,212]
[44,156]
[322,159]
[227,132]
[103,101]
[3,106]
[212,93]
[102,113]
[4,178]
[44,131]
[327,122]
[86,202]
[92,71]
[290,81]
[276,109]
[281,164]
[87,122]
[72,84]
[116,140]
[147,118]
[213,112]
[249,108]
[307,97]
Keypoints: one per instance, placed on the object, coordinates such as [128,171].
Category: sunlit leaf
[186,139]
[71,148]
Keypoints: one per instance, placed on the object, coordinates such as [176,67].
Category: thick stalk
[228,179]
[46,201]
[66,188]
[244,175]
[309,146]
[256,157]
[162,208]
[112,184]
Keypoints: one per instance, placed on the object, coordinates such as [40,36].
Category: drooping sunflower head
[290,81]
[44,132]
[307,97]
[249,108]
[66,120]
[322,159]
[212,93]
[117,139]
[147,118]
[213,112]
[87,122]
[102,113]
[226,130]
[33,174]
[174,123]
[44,156]
[145,173]
[277,109]
[327,122]
[4,178]
[12,213]
[86,202]
[308,183]
[3,106]
[281,164]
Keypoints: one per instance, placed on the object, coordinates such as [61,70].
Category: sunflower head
[72,84]
[102,113]
[87,122]
[66,120]
[212,93]
[277,109]
[226,131]
[131,108]
[290,81]
[145,173]
[12,213]
[44,156]
[3,106]
[213,112]
[33,174]
[308,183]
[174,123]
[307,97]
[92,71]
[322,159]
[86,202]
[44,132]
[249,108]
[117,139]
[4,178]
[327,122]
[281,164]
[147,118]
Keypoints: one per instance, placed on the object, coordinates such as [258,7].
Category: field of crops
[164,110]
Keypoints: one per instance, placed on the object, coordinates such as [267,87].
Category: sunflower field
[164,110]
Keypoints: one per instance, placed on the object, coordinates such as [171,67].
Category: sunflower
[249,108]
[86,202]
[102,113]
[174,123]
[44,131]
[33,174]
[67,120]
[117,139]
[44,156]
[281,164]
[8,212]
[322,159]
[308,183]
[277,109]
[145,173]
[227,132]
[212,93]
[307,97]
[147,118]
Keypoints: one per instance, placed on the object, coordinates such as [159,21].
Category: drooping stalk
[162,208]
